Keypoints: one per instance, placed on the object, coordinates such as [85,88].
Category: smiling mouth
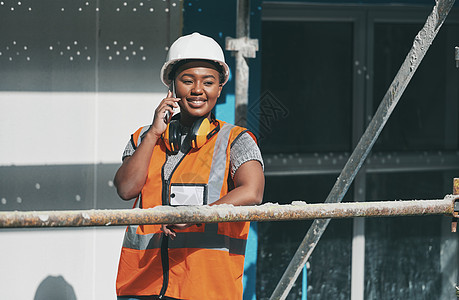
[196,102]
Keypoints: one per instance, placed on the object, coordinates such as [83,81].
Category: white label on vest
[188,194]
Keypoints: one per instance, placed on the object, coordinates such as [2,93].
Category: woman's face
[197,83]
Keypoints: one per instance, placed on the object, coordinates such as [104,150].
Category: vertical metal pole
[448,253]
[456,56]
[304,289]
[358,243]
[420,46]
[243,48]
[456,192]
[243,21]
[240,115]
[242,68]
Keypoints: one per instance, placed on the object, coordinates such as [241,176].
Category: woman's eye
[208,82]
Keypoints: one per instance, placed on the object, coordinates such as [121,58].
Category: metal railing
[226,213]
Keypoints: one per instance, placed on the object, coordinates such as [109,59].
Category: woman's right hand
[131,176]
[159,124]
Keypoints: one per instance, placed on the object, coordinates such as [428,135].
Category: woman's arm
[131,176]
[249,184]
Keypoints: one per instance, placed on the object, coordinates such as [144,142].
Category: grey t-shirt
[242,150]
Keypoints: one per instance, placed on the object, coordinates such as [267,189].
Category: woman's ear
[220,87]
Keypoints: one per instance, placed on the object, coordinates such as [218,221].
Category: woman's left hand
[169,229]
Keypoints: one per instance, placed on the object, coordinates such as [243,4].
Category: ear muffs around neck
[200,132]
[172,137]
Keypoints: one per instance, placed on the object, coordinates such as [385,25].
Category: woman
[188,159]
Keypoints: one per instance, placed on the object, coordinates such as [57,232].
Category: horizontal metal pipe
[225,213]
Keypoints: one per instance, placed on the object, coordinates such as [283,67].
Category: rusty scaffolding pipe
[226,213]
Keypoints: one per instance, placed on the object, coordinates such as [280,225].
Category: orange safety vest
[202,262]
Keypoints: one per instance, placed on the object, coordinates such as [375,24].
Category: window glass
[395,247]
[307,72]
[329,265]
[418,122]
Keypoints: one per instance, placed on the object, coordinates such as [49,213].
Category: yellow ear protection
[200,132]
[172,136]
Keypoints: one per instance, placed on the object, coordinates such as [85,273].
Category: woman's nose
[197,89]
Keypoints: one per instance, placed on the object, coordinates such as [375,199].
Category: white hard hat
[194,46]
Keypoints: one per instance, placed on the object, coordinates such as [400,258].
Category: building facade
[78,77]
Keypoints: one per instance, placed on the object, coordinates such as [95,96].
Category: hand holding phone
[167,115]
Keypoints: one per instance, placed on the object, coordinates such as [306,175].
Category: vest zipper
[165,239]
[165,265]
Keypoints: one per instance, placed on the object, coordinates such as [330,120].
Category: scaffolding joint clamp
[456,205]
[456,208]
[247,46]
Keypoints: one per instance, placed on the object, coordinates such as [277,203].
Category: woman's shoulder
[237,131]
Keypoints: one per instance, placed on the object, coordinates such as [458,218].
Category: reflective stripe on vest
[209,239]
[217,168]
[142,132]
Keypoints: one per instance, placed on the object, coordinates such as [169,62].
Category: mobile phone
[167,114]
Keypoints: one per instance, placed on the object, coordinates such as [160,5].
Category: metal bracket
[455,216]
[456,208]
[456,203]
[248,47]
[456,56]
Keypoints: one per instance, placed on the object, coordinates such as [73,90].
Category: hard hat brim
[169,65]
